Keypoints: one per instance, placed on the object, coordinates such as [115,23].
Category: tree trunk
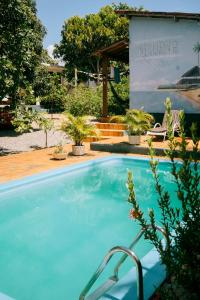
[46,138]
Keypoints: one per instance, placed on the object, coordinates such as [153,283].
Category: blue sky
[52,13]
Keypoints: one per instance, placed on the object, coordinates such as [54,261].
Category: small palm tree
[45,124]
[196,49]
[78,128]
[138,121]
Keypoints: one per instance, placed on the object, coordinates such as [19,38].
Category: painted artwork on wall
[164,62]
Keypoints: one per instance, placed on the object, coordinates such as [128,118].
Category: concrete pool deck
[121,145]
[16,166]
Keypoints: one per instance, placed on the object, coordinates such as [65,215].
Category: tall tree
[21,36]
[81,36]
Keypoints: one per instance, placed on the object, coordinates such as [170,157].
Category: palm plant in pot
[59,152]
[137,121]
[78,129]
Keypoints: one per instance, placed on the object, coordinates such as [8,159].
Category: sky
[52,13]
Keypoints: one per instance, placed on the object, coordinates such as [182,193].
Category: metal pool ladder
[111,281]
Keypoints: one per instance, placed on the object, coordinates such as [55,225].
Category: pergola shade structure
[118,51]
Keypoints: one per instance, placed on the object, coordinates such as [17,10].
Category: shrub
[55,98]
[84,101]
[24,119]
[182,225]
[118,97]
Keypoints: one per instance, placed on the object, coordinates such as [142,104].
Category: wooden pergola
[118,51]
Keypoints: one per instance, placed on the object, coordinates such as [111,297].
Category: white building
[163,47]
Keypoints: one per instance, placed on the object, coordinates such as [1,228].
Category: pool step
[105,287]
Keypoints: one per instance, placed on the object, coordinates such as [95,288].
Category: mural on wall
[165,62]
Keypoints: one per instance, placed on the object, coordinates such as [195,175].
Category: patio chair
[161,130]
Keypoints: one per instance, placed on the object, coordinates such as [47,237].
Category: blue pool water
[55,229]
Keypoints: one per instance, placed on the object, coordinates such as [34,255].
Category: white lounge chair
[161,129]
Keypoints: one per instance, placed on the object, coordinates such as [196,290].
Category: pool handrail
[127,252]
[134,242]
[105,261]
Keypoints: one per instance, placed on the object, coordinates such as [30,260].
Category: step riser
[111,133]
[91,139]
[111,126]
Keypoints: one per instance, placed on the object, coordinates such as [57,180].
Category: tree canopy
[21,36]
[81,36]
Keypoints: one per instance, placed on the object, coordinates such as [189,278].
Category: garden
[64,110]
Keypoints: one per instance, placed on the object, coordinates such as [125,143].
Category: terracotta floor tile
[16,166]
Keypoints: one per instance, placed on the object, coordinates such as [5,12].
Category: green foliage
[45,124]
[88,101]
[59,149]
[196,49]
[118,97]
[81,36]
[26,94]
[23,119]
[78,128]
[182,225]
[138,121]
[21,35]
[84,101]
[41,82]
[54,93]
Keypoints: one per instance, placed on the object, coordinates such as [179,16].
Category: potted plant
[138,122]
[59,152]
[78,129]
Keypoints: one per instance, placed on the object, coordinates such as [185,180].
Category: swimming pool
[56,227]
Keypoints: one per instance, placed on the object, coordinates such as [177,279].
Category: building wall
[161,52]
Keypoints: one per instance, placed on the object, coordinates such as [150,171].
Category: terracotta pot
[60,156]
[134,139]
[78,150]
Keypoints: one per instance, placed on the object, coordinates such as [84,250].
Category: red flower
[134,214]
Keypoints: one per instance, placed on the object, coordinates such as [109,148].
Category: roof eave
[157,14]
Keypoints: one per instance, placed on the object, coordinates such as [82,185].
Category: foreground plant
[182,225]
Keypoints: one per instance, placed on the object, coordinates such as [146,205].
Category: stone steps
[111,126]
[111,129]
[107,130]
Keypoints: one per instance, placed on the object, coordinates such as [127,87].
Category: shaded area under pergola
[118,51]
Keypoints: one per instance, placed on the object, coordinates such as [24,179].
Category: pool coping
[11,184]
[4,187]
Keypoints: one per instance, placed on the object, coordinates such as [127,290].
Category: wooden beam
[105,86]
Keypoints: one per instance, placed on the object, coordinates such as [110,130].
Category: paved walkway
[11,142]
[16,166]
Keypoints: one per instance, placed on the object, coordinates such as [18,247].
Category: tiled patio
[27,163]
[121,145]
[16,166]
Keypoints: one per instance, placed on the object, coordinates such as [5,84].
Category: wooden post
[98,70]
[105,86]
